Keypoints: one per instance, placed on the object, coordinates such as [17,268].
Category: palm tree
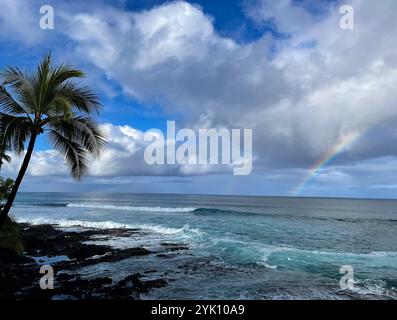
[6,186]
[48,100]
[4,157]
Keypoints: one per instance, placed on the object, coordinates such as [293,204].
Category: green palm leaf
[74,153]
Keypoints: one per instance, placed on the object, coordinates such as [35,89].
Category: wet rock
[158,283]
[150,271]
[8,256]
[130,281]
[174,246]
[64,277]
[19,276]
[133,281]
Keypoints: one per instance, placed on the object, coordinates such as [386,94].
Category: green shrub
[10,236]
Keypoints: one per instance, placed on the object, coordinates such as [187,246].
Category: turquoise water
[240,247]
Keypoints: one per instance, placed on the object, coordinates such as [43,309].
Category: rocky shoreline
[20,276]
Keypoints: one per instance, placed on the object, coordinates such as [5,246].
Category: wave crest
[110,225]
[129,208]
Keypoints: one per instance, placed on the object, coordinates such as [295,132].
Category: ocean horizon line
[214,195]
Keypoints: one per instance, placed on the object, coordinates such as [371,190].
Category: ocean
[239,247]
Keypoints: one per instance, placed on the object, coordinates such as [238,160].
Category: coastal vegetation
[10,237]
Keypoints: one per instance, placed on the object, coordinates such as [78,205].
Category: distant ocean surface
[240,247]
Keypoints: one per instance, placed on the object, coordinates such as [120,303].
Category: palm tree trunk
[18,180]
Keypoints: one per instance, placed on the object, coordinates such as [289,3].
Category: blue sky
[284,69]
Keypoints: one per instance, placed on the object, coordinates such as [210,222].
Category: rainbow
[343,143]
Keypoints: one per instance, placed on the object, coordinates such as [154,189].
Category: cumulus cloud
[300,92]
[172,54]
[346,84]
[123,156]
[300,99]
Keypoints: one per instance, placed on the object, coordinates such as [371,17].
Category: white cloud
[20,20]
[123,156]
[285,15]
[298,97]
[300,93]
[343,81]
[171,53]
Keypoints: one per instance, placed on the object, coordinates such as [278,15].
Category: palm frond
[4,157]
[63,73]
[82,98]
[74,153]
[6,186]
[8,104]
[82,130]
[41,80]
[13,76]
[23,86]
[15,131]
[60,107]
[57,77]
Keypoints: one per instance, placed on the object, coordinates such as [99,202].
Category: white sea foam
[44,260]
[373,287]
[129,208]
[75,223]
[107,225]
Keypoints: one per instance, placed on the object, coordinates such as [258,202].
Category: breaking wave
[128,208]
[110,225]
